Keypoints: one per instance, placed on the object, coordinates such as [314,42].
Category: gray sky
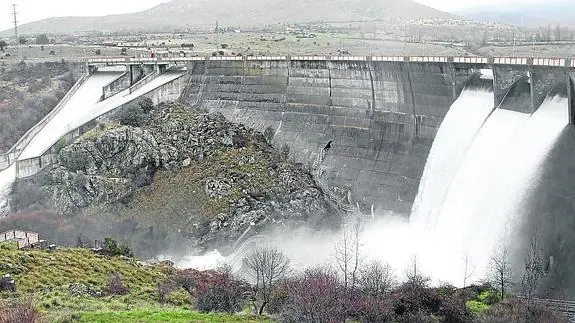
[32,10]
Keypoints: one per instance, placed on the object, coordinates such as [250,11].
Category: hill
[528,15]
[186,13]
[73,285]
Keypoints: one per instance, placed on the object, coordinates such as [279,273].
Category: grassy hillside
[71,285]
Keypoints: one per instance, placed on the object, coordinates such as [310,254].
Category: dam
[458,144]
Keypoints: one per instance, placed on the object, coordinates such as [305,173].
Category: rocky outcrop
[192,173]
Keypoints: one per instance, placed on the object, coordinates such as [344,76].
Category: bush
[476,307]
[515,310]
[115,285]
[112,248]
[219,299]
[239,141]
[26,195]
[18,311]
[269,134]
[164,290]
[146,104]
[317,296]
[285,150]
[132,115]
[42,39]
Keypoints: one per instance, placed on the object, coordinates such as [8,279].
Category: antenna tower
[14,13]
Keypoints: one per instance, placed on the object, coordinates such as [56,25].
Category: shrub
[285,150]
[22,310]
[111,247]
[316,296]
[476,307]
[219,299]
[515,310]
[239,141]
[132,115]
[164,290]
[115,285]
[26,195]
[269,134]
[98,51]
[146,104]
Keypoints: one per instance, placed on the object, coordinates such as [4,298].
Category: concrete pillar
[532,89]
[571,99]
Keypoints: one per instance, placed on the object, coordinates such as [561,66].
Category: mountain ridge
[195,13]
[529,15]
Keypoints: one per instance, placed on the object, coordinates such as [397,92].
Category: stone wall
[381,117]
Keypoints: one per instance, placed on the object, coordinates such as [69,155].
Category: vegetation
[31,91]
[75,284]
[162,315]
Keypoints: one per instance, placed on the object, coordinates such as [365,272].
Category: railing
[13,153]
[553,62]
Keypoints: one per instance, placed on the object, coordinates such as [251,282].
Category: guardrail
[8,158]
[553,62]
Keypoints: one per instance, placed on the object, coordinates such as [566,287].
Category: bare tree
[468,269]
[266,266]
[501,271]
[376,279]
[414,277]
[348,254]
[533,268]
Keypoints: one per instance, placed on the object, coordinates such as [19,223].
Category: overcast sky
[32,10]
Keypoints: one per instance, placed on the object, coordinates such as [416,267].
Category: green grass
[162,316]
[42,270]
[476,307]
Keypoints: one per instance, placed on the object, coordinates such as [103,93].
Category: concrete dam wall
[380,117]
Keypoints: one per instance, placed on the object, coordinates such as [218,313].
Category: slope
[527,15]
[183,13]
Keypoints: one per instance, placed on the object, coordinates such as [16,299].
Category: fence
[529,61]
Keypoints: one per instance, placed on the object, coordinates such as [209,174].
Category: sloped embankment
[186,172]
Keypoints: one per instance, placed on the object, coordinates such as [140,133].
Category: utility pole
[217,35]
[16,30]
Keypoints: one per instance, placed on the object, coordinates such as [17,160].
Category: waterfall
[482,205]
[459,128]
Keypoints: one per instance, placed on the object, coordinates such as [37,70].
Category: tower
[14,13]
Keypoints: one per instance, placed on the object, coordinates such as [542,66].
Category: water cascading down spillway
[480,208]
